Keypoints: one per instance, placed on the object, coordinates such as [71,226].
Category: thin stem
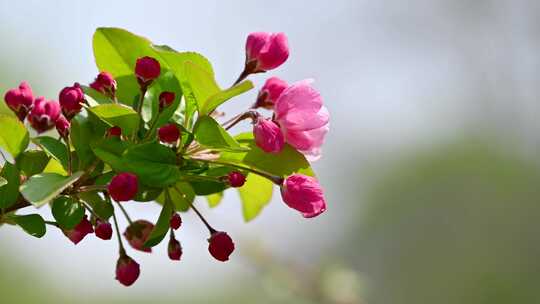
[55,224]
[125,213]
[245,73]
[70,165]
[3,156]
[87,207]
[152,128]
[121,246]
[248,114]
[275,179]
[210,229]
[92,188]
[139,108]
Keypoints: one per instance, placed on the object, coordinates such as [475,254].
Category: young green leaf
[285,163]
[82,135]
[255,195]
[32,162]
[210,134]
[217,99]
[42,188]
[118,115]
[33,224]
[67,211]
[9,193]
[14,138]
[182,196]
[162,225]
[53,147]
[214,199]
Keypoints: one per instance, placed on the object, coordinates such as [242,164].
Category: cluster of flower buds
[299,121]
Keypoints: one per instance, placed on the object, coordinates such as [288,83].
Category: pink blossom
[268,135]
[304,193]
[303,119]
[44,114]
[127,270]
[270,92]
[71,100]
[62,126]
[266,51]
[78,233]
[137,234]
[20,99]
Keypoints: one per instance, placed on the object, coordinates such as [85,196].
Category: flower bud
[44,114]
[169,133]
[269,93]
[62,126]
[127,270]
[220,246]
[103,230]
[166,99]
[236,179]
[176,221]
[20,100]
[137,233]
[123,187]
[71,100]
[266,51]
[104,83]
[303,193]
[114,132]
[268,135]
[80,231]
[174,250]
[147,69]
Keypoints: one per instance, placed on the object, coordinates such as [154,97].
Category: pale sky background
[394,75]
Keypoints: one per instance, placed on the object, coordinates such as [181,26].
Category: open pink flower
[305,194]
[303,119]
[266,51]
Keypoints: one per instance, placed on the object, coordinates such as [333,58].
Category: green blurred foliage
[457,224]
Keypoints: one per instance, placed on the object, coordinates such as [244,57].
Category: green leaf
[14,137]
[110,151]
[202,84]
[153,163]
[210,134]
[285,163]
[53,147]
[182,196]
[82,135]
[32,162]
[217,99]
[99,205]
[255,195]
[214,199]
[118,115]
[94,97]
[9,193]
[207,92]
[162,225]
[42,188]
[67,212]
[3,181]
[33,224]
[167,82]
[54,166]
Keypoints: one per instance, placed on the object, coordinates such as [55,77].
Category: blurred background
[431,167]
